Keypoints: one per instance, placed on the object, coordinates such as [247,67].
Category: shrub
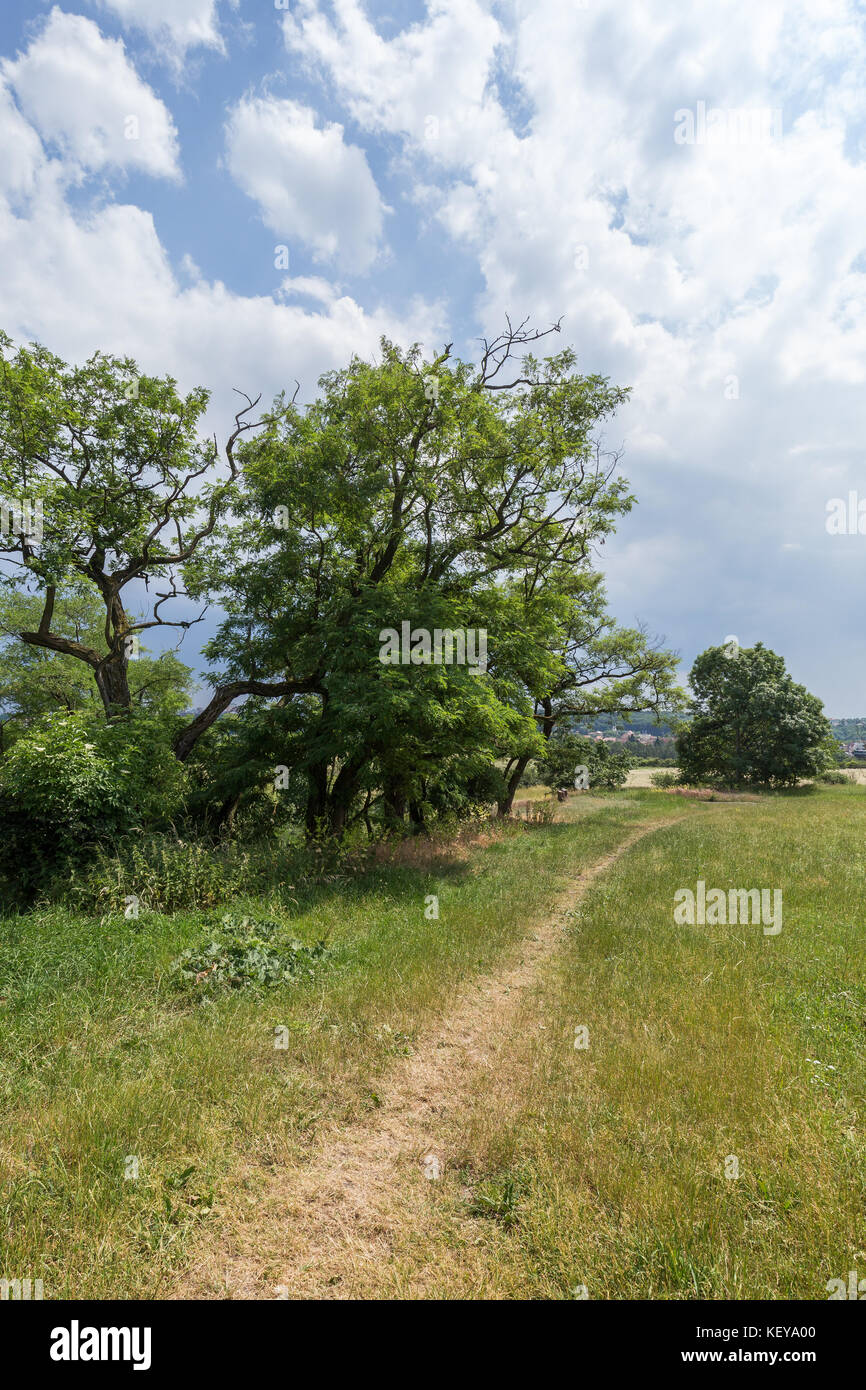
[607,769]
[249,952]
[166,874]
[666,779]
[72,783]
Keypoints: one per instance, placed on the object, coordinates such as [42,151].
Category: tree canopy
[411,496]
[751,723]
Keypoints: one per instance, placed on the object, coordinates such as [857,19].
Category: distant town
[658,739]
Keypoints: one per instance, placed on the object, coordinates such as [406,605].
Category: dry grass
[329,1227]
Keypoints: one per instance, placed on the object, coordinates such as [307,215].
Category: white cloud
[539,143]
[550,161]
[309,184]
[23,155]
[104,281]
[84,97]
[429,83]
[174,26]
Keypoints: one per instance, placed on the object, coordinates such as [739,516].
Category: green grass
[104,1060]
[602,1168]
[705,1043]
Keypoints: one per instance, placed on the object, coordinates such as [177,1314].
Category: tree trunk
[317,800]
[395,803]
[112,680]
[341,797]
[503,807]
[226,813]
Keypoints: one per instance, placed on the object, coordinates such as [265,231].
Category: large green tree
[108,484]
[751,723]
[437,494]
[582,664]
[443,494]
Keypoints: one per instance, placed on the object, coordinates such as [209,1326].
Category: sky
[243,193]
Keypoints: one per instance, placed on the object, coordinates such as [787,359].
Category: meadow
[706,1142]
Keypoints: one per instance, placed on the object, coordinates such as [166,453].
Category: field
[429,1122]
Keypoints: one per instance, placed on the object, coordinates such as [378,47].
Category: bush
[166,874]
[666,779]
[834,779]
[248,953]
[607,769]
[73,782]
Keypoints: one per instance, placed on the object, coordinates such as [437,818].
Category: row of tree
[408,495]
[445,494]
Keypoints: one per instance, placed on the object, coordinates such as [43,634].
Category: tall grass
[103,1062]
[713,1050]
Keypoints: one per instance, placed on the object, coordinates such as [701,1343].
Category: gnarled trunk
[505,803]
[112,682]
[317,800]
[394,797]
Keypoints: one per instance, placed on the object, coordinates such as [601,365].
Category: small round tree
[565,752]
[751,723]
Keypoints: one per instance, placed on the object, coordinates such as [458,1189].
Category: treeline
[659,724]
[407,572]
[849,730]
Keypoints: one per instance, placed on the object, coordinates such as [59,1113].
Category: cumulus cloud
[430,82]
[309,184]
[82,94]
[104,280]
[174,26]
[722,276]
[23,155]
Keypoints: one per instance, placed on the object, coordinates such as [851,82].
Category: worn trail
[328,1227]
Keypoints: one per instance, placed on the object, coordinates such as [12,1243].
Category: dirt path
[327,1228]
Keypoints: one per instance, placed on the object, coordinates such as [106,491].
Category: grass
[712,1050]
[105,1063]
[602,1168]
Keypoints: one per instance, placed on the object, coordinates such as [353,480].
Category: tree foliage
[751,723]
[35,680]
[412,494]
[445,496]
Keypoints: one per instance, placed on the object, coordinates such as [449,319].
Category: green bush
[168,873]
[607,769]
[72,783]
[249,952]
[165,873]
[666,779]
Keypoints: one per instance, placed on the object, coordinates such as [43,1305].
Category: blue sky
[685,186]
